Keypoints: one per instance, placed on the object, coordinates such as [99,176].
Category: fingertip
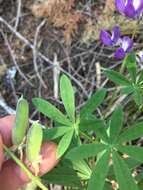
[48,162]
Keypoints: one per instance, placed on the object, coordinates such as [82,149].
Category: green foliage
[98,178]
[103,153]
[130,63]
[123,175]
[113,147]
[67,95]
[72,125]
[50,111]
[64,143]
[135,152]
[84,151]
[63,174]
[54,133]
[133,85]
[95,125]
[116,124]
[91,148]
[132,133]
[117,77]
[91,105]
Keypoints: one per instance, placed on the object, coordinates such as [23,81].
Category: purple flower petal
[105,38]
[127,44]
[130,9]
[138,5]
[120,6]
[120,54]
[115,34]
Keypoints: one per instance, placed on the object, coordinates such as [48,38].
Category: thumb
[11,175]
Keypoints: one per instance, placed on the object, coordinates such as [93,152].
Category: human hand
[11,176]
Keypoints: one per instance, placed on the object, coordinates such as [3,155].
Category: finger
[11,176]
[6,125]
[1,151]
[48,160]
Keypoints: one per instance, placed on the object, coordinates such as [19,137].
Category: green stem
[35,179]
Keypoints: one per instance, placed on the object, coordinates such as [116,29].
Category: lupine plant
[92,162]
[95,152]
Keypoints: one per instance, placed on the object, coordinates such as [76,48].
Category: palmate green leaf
[63,174]
[123,175]
[137,97]
[130,63]
[85,151]
[93,102]
[64,143]
[53,133]
[87,124]
[132,133]
[135,152]
[50,111]
[67,95]
[95,125]
[127,89]
[140,79]
[98,176]
[117,77]
[130,162]
[107,186]
[82,168]
[116,123]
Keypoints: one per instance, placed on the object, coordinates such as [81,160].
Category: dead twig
[18,14]
[56,73]
[4,105]
[35,53]
[13,56]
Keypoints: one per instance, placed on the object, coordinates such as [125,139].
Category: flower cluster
[132,9]
[125,43]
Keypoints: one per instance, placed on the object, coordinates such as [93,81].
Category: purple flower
[113,39]
[126,46]
[110,39]
[130,8]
